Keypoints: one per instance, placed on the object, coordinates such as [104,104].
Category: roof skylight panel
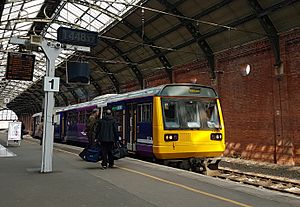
[103,18]
[84,24]
[113,10]
[104,5]
[52,31]
[94,13]
[20,33]
[15,9]
[87,18]
[33,7]
[81,7]
[23,25]
[4,17]
[13,15]
[66,15]
[2,27]
[97,24]
[75,9]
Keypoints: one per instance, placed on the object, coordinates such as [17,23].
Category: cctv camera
[57,45]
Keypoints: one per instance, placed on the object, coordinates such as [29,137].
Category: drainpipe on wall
[278,122]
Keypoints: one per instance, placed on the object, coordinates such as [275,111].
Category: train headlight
[171,137]
[216,136]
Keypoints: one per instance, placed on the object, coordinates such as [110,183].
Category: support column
[51,52]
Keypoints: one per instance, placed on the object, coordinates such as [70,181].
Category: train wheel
[185,164]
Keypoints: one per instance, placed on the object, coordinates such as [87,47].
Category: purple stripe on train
[144,149]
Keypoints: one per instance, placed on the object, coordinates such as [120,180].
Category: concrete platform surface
[76,183]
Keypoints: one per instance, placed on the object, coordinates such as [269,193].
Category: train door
[63,127]
[119,114]
[130,124]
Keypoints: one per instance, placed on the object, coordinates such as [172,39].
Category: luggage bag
[91,154]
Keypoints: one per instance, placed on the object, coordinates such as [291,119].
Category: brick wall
[262,110]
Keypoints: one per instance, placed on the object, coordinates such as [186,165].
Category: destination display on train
[20,66]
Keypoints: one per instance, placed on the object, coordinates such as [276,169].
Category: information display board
[20,66]
[77,37]
[14,132]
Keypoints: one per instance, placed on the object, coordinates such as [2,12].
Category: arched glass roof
[19,18]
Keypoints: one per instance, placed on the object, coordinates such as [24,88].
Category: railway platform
[132,182]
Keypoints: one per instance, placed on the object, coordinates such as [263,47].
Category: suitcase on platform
[91,154]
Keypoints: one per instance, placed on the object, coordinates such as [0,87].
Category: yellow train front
[177,123]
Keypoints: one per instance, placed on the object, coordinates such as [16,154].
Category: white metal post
[51,51]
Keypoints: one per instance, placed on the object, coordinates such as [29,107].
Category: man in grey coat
[107,134]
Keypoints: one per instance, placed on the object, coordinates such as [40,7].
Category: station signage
[77,37]
[20,66]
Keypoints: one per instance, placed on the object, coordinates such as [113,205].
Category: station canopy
[20,18]
[136,39]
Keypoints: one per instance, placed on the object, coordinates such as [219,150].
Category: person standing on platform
[91,130]
[91,126]
[40,130]
[107,135]
[22,129]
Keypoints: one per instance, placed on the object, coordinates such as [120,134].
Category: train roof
[162,90]
[98,101]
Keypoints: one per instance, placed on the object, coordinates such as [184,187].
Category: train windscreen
[190,114]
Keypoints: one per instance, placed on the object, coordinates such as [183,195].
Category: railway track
[281,184]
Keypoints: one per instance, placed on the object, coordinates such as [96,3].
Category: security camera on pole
[52,50]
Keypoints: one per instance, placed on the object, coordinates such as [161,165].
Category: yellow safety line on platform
[173,183]
[186,187]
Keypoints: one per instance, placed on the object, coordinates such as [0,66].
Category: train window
[81,116]
[192,114]
[212,115]
[171,117]
[144,112]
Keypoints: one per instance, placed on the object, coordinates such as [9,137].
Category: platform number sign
[51,84]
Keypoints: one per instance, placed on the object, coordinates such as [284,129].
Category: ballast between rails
[281,184]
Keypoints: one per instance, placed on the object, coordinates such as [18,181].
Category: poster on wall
[14,132]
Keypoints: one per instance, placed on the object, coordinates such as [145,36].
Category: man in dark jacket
[107,134]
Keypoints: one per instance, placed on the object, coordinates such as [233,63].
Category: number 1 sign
[51,84]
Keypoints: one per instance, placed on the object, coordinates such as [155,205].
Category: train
[171,123]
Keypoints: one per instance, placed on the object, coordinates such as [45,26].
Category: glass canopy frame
[18,18]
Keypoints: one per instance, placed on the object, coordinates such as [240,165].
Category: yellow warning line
[186,187]
[173,183]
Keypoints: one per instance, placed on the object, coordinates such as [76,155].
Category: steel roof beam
[134,68]
[235,23]
[196,35]
[74,94]
[162,58]
[110,75]
[63,96]
[2,2]
[17,102]
[269,28]
[31,98]
[96,85]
